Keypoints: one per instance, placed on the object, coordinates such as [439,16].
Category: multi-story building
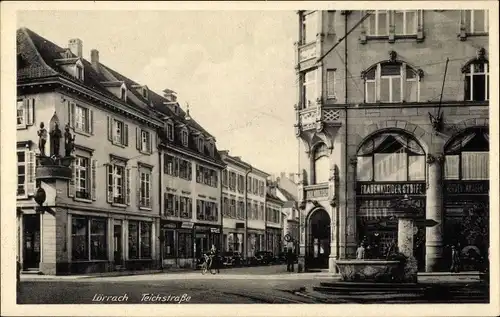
[286,191]
[393,112]
[91,207]
[274,219]
[190,185]
[255,204]
[234,198]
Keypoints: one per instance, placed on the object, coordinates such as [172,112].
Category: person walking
[455,260]
[360,252]
[290,258]
[215,258]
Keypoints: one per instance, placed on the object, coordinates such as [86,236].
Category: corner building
[373,131]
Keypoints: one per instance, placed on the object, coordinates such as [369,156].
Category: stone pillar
[434,211]
[302,239]
[405,246]
[333,241]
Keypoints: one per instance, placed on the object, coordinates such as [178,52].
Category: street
[264,285]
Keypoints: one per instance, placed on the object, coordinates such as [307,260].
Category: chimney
[94,59]
[170,95]
[76,47]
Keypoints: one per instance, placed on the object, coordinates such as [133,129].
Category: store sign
[466,187]
[316,193]
[170,225]
[390,188]
[214,230]
[187,225]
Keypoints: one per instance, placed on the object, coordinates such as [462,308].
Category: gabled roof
[38,58]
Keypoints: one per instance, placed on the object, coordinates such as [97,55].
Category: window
[241,207]
[467,156]
[123,93]
[249,184]
[145,92]
[378,23]
[261,211]
[143,143]
[118,184]
[82,119]
[391,82]
[186,207]
[171,203]
[185,169]
[477,82]
[25,173]
[79,72]
[232,180]
[207,176]
[309,27]
[118,132]
[82,177]
[25,112]
[309,88]
[139,239]
[391,157]
[321,164]
[225,178]
[184,137]
[89,238]
[206,210]
[145,187]
[170,131]
[241,183]
[405,22]
[201,145]
[330,83]
[233,208]
[475,21]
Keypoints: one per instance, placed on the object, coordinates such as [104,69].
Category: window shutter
[110,129]
[30,112]
[138,139]
[138,187]
[125,134]
[150,142]
[71,114]
[127,186]
[91,121]
[72,181]
[30,181]
[176,166]
[109,182]
[190,207]
[94,180]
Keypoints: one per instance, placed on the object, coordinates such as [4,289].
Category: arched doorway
[319,239]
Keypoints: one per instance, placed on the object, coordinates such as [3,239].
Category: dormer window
[145,92]
[170,131]
[123,93]
[211,148]
[184,137]
[79,70]
[201,144]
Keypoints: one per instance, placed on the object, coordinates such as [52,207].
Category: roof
[273,198]
[288,196]
[37,58]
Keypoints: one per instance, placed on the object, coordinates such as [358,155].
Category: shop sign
[187,225]
[214,230]
[466,187]
[170,225]
[390,188]
[316,193]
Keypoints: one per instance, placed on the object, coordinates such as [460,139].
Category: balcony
[309,118]
[307,52]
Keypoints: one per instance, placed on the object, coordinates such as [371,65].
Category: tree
[475,226]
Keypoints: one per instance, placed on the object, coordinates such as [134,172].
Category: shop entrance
[117,242]
[201,244]
[31,242]
[319,240]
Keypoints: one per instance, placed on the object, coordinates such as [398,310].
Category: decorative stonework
[435,158]
[331,115]
[353,161]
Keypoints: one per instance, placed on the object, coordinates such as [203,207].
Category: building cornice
[95,96]
[192,155]
[374,106]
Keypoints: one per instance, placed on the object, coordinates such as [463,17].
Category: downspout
[346,100]
[245,238]
[160,198]
[221,236]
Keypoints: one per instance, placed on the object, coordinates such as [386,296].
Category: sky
[234,68]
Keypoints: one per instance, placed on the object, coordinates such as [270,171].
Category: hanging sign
[407,188]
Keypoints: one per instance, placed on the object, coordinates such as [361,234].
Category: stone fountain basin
[367,270]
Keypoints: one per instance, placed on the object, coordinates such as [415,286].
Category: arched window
[321,164]
[391,82]
[477,81]
[467,156]
[391,156]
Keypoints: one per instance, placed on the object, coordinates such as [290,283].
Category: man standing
[360,252]
[290,257]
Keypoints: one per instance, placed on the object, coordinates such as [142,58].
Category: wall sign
[214,230]
[316,193]
[466,187]
[170,225]
[187,225]
[406,188]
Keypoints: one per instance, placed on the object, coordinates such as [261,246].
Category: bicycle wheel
[204,269]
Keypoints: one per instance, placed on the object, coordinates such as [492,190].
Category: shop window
[185,247]
[467,156]
[321,164]
[88,239]
[391,157]
[139,240]
[169,246]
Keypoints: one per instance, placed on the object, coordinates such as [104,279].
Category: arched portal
[319,239]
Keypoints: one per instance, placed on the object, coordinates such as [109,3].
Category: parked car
[264,257]
[231,258]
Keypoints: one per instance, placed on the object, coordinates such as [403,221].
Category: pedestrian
[360,252]
[215,258]
[455,260]
[289,260]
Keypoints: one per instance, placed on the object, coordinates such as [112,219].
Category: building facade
[190,186]
[234,203]
[274,220]
[256,215]
[89,207]
[290,210]
[397,110]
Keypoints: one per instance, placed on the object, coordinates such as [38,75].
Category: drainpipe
[245,240]
[346,100]
[221,237]
[160,198]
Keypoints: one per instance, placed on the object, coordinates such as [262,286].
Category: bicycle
[207,265]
